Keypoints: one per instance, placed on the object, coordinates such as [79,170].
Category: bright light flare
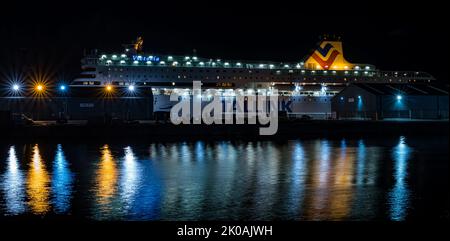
[39,87]
[108,90]
[16,87]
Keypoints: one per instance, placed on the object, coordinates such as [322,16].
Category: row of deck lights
[41,88]
[188,61]
[36,88]
[261,66]
[109,88]
[271,67]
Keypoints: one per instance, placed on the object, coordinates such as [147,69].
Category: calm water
[397,178]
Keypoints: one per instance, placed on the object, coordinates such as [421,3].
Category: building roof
[405,89]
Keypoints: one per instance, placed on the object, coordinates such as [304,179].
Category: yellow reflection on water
[106,177]
[38,181]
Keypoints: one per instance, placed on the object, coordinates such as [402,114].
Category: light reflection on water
[256,180]
[38,180]
[62,182]
[105,183]
[130,179]
[13,185]
[399,195]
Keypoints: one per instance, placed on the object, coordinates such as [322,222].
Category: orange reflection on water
[341,198]
[106,177]
[38,181]
[331,181]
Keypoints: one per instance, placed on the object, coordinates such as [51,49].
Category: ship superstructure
[305,86]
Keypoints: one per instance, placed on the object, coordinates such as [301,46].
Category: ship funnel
[328,55]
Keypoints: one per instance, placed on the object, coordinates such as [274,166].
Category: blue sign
[145,59]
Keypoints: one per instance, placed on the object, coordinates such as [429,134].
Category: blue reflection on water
[400,194]
[199,151]
[299,174]
[139,189]
[343,146]
[13,185]
[361,160]
[61,182]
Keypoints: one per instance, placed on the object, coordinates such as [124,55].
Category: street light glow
[39,87]
[16,87]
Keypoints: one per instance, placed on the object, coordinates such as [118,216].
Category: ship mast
[135,47]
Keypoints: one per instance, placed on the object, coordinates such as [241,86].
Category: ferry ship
[305,87]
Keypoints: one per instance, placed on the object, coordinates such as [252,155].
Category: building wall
[127,108]
[136,108]
[35,108]
[305,104]
[443,107]
[354,102]
[372,106]
[415,107]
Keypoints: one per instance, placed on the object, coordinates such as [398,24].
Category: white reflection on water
[224,178]
[130,179]
[267,179]
[61,182]
[13,185]
[400,194]
[186,189]
[323,153]
[319,175]
[365,202]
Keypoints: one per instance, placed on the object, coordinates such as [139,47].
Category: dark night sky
[400,37]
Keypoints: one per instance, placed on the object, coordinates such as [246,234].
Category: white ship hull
[317,107]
